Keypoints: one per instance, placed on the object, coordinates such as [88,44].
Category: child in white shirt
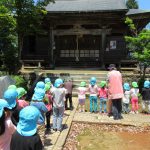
[82,96]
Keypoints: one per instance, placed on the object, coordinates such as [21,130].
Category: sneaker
[54,130]
[136,112]
[71,108]
[116,118]
[109,114]
[58,131]
[132,112]
[111,117]
[104,113]
[120,117]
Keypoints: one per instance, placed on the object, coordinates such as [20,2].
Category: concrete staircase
[77,76]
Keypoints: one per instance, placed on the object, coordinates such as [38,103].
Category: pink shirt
[103,92]
[49,102]
[115,89]
[22,103]
[82,92]
[5,138]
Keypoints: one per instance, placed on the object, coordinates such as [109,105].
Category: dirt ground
[85,136]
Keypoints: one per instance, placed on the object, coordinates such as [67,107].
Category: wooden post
[51,52]
[103,48]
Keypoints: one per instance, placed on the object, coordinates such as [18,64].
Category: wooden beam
[81,31]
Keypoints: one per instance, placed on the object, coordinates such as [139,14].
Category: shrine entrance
[77,50]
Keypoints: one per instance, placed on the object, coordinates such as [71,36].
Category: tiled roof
[136,11]
[86,5]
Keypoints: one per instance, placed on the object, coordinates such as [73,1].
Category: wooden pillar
[51,51]
[103,48]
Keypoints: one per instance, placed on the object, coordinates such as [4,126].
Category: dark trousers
[117,108]
[68,96]
[48,117]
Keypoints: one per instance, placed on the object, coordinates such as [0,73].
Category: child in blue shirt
[37,101]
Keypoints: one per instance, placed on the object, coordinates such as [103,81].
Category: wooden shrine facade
[79,39]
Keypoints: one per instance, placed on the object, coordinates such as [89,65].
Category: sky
[144,4]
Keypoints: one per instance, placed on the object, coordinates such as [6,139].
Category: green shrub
[20,81]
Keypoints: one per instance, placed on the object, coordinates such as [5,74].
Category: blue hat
[47,80]
[3,104]
[40,85]
[10,96]
[147,84]
[28,117]
[38,95]
[126,86]
[58,82]
[93,81]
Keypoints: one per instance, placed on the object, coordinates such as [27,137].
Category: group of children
[131,96]
[22,122]
[94,93]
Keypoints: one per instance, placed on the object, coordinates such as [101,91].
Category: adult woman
[115,91]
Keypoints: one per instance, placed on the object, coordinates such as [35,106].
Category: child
[21,103]
[82,96]
[10,96]
[146,96]
[40,85]
[93,90]
[26,137]
[134,97]
[37,101]
[48,81]
[6,126]
[68,85]
[12,86]
[103,94]
[126,98]
[58,93]
[48,103]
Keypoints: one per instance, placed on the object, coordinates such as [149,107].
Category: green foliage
[139,45]
[130,23]
[132,4]
[22,17]
[20,81]
[29,18]
[8,40]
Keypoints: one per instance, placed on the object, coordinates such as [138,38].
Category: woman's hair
[2,123]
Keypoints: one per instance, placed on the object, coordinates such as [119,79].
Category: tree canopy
[132,4]
[139,44]
[19,18]
[8,42]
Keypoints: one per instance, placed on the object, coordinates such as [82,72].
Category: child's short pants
[82,101]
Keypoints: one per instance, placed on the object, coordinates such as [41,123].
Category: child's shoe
[100,112]
[105,113]
[132,112]
[136,112]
